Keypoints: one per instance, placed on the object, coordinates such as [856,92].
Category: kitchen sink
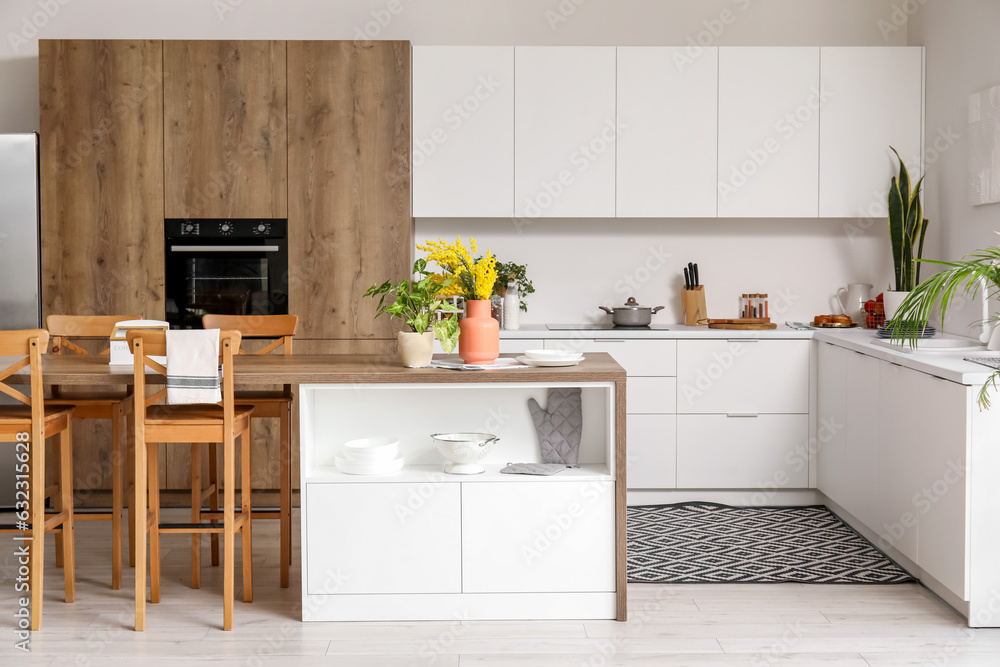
[934,346]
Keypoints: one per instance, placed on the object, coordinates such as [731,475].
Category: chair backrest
[63,328]
[29,345]
[145,344]
[281,328]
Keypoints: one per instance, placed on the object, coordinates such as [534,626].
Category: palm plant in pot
[416,302]
[907,227]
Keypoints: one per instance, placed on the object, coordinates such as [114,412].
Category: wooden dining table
[95,371]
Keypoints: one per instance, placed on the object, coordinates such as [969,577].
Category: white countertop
[946,365]
[676,331]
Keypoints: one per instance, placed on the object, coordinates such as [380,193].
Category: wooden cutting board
[728,325]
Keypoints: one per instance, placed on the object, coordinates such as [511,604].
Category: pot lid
[632,304]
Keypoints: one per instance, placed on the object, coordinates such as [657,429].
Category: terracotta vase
[479,334]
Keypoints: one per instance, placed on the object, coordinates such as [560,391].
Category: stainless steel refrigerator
[20,276]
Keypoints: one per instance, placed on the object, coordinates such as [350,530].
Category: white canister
[511,309]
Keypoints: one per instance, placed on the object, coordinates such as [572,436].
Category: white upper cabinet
[668,145]
[564,131]
[769,117]
[463,131]
[875,99]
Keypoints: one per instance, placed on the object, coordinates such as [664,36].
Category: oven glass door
[223,279]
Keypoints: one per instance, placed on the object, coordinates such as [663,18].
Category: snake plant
[907,226]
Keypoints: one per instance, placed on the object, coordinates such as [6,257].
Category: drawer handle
[609,340]
[743,340]
[741,414]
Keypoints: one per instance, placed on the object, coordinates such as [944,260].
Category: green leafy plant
[907,226]
[413,301]
[980,269]
[446,330]
[509,272]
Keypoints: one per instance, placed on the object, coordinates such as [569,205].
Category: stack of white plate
[550,358]
[370,456]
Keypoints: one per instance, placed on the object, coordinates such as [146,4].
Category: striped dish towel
[193,366]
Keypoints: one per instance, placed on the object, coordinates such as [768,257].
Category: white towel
[193,366]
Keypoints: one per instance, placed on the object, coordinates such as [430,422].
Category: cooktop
[604,327]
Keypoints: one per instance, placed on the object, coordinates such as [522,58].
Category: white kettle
[852,300]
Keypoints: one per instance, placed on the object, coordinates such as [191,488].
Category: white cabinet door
[874,100]
[564,131]
[395,538]
[743,376]
[940,492]
[899,434]
[668,147]
[463,131]
[651,462]
[523,537]
[720,452]
[645,395]
[832,468]
[769,106]
[639,358]
[861,436]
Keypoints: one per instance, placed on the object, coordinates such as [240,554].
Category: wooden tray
[833,325]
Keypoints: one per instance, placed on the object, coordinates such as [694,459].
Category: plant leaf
[920,249]
[904,180]
[897,231]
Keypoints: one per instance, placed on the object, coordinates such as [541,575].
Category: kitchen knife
[687,279]
[694,276]
[691,273]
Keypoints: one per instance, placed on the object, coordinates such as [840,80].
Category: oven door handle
[225,248]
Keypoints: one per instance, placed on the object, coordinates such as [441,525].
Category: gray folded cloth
[533,468]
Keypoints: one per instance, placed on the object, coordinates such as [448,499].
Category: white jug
[852,300]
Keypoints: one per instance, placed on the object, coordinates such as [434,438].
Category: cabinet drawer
[651,395]
[637,357]
[394,539]
[652,452]
[720,452]
[746,376]
[521,537]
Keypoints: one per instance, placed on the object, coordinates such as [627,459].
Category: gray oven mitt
[559,425]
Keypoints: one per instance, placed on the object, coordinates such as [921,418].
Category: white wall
[963,57]
[575,264]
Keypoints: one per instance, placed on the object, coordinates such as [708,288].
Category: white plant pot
[416,349]
[891,300]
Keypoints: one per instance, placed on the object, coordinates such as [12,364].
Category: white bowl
[552,355]
[371,449]
[464,450]
[350,467]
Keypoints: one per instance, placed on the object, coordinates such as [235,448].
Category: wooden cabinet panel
[101,171]
[225,129]
[349,203]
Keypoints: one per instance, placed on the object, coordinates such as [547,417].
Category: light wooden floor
[755,625]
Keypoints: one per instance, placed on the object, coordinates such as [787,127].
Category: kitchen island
[421,544]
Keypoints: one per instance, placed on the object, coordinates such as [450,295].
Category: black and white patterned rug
[699,543]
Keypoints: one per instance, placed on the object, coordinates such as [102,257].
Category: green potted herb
[509,273]
[416,302]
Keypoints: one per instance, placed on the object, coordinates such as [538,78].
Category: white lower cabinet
[651,459]
[639,358]
[525,537]
[646,395]
[719,451]
[383,544]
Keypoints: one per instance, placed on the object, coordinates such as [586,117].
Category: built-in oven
[226,267]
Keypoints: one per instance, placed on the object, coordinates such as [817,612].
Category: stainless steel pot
[631,314]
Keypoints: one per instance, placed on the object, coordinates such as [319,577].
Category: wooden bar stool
[37,421]
[110,405]
[210,423]
[279,330]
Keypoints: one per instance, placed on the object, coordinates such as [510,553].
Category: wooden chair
[110,405]
[279,329]
[36,421]
[224,422]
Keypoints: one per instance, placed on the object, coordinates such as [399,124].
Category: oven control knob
[189,228]
[262,228]
[225,228]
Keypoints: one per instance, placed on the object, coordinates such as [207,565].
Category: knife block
[693,302]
